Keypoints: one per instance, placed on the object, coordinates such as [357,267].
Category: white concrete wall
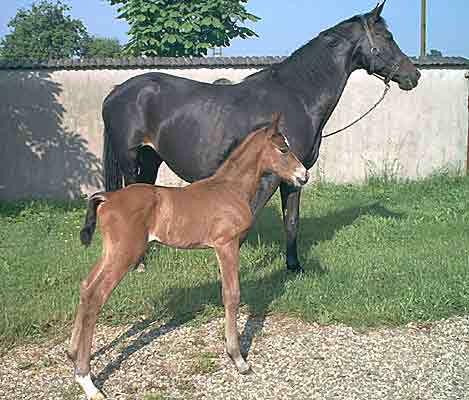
[411,134]
[85,91]
[52,128]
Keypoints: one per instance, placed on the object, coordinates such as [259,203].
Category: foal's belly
[178,242]
[176,227]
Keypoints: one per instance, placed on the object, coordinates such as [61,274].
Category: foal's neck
[243,169]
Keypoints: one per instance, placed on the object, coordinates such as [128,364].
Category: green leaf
[207,21]
[171,38]
[187,27]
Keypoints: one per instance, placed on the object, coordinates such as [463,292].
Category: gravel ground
[290,360]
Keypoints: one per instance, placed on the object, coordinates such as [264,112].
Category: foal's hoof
[98,396]
[243,368]
[295,268]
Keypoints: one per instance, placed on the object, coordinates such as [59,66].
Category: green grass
[380,254]
[204,363]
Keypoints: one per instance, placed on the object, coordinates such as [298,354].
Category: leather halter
[376,53]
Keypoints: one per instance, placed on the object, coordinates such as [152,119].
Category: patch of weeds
[25,365]
[204,363]
[186,387]
[209,313]
[47,362]
[156,396]
[199,342]
[72,393]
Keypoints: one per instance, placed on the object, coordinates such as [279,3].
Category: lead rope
[385,92]
[375,53]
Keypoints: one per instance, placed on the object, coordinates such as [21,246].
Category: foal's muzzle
[301,176]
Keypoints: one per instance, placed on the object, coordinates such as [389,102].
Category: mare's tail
[86,233]
[112,172]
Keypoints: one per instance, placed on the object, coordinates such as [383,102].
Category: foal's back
[189,217]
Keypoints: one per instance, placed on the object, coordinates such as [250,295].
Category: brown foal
[211,213]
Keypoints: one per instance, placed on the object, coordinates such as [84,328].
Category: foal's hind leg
[228,258]
[94,292]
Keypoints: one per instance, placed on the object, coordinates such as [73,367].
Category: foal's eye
[283,149]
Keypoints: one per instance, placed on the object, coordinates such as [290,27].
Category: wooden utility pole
[423,29]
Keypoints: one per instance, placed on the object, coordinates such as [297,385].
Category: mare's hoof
[296,268]
[140,268]
[98,396]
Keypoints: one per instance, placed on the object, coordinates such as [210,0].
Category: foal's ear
[374,15]
[276,120]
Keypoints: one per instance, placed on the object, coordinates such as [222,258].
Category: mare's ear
[373,16]
[276,121]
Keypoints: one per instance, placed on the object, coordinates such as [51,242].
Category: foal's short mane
[230,151]
[234,154]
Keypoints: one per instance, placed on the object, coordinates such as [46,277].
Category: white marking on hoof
[91,391]
[98,396]
[243,367]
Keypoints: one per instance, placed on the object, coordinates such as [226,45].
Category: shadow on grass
[185,303]
[313,230]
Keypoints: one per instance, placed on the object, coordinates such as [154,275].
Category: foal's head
[277,157]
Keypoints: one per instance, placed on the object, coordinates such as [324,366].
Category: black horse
[193,126]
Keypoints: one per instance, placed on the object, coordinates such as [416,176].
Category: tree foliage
[97,46]
[44,31]
[183,27]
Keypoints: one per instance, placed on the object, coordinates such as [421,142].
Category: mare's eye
[283,149]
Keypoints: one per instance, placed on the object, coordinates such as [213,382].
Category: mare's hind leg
[228,259]
[94,292]
[129,167]
[148,163]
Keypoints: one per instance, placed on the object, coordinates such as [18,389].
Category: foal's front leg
[228,258]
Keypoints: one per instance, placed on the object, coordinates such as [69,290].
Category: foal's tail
[86,234]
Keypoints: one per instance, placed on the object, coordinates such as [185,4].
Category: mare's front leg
[291,217]
[228,259]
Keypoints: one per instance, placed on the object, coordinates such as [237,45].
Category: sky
[288,24]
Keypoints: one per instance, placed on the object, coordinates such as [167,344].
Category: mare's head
[277,158]
[376,50]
